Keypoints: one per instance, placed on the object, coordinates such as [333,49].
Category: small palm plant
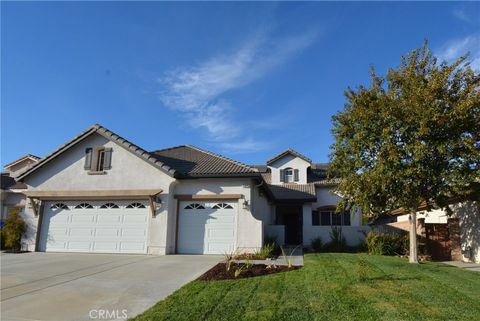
[288,258]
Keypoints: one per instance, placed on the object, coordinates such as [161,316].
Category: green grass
[332,286]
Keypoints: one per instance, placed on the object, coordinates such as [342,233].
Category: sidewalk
[464,265]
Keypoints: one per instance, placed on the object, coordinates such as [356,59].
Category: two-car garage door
[121,227]
[95,226]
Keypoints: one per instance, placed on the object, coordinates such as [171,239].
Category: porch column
[307,223]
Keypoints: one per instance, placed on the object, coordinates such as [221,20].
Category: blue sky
[246,80]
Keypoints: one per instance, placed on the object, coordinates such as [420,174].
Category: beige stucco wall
[327,197]
[128,172]
[292,162]
[249,226]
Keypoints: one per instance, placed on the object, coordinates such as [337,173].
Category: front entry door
[291,217]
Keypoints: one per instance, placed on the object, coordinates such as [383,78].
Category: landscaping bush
[386,243]
[273,240]
[265,251]
[12,232]
[316,244]
[337,241]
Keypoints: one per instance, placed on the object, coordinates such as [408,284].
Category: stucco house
[12,198]
[101,193]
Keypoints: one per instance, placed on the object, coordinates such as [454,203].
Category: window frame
[288,175]
[328,217]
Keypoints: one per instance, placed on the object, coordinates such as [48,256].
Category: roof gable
[122,142]
[286,152]
[22,159]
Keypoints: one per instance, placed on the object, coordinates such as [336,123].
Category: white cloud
[248,145]
[458,47]
[461,15]
[197,92]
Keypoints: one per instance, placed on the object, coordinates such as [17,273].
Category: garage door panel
[82,218]
[108,219]
[133,233]
[134,219]
[105,247]
[106,232]
[207,230]
[95,227]
[79,245]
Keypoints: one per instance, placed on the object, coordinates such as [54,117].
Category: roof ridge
[168,148]
[289,150]
[22,158]
[222,157]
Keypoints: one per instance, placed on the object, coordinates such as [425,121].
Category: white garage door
[95,226]
[206,227]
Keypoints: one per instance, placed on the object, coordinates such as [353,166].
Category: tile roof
[191,161]
[290,192]
[8,182]
[317,175]
[286,152]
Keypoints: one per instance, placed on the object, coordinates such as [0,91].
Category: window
[194,206]
[288,175]
[109,205]
[59,206]
[325,218]
[222,205]
[98,159]
[315,218]
[136,205]
[84,206]
[329,218]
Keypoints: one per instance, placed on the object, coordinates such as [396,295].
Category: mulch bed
[219,271]
[252,256]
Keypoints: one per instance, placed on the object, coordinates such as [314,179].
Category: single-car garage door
[95,226]
[206,227]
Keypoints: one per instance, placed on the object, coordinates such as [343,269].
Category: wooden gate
[438,241]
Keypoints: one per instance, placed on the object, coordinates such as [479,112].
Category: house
[101,193]
[12,198]
[445,237]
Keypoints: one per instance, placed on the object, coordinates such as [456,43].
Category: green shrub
[317,244]
[273,240]
[386,243]
[337,240]
[12,232]
[265,251]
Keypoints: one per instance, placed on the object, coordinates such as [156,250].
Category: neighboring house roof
[136,150]
[193,162]
[21,159]
[287,152]
[317,174]
[290,191]
[7,182]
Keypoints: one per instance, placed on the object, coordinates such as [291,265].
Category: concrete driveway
[61,286]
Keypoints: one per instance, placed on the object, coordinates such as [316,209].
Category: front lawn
[332,286]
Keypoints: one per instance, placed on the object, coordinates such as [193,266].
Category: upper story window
[289,175]
[98,159]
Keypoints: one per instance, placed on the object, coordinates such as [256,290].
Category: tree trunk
[413,257]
